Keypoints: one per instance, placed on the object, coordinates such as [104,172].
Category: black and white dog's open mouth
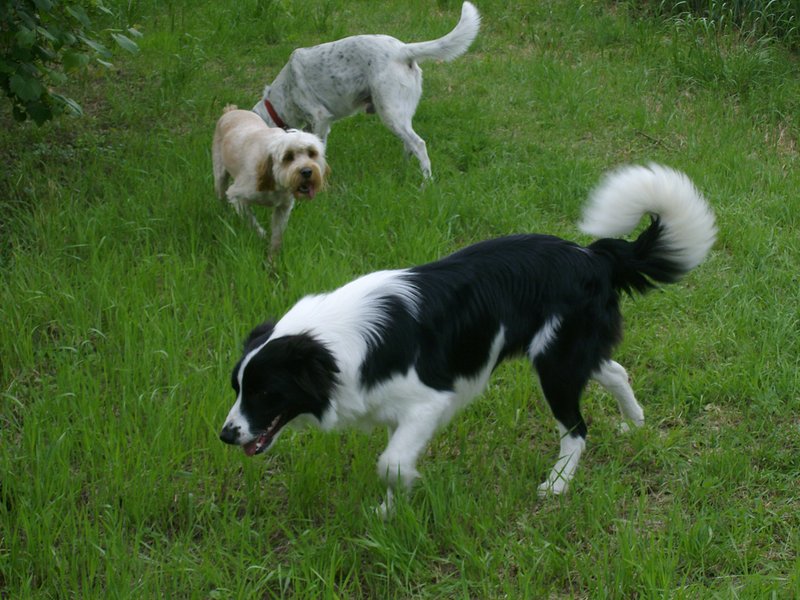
[264,440]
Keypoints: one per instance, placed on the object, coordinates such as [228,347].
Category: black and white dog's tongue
[263,441]
[256,445]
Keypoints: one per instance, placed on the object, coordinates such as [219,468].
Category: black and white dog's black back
[408,348]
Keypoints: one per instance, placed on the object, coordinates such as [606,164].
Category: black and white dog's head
[277,380]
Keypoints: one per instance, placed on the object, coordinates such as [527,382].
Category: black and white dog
[408,348]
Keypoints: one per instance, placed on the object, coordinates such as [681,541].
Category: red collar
[273,114]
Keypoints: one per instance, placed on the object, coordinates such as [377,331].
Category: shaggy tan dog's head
[296,162]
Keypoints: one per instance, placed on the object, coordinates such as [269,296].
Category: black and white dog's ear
[258,335]
[310,363]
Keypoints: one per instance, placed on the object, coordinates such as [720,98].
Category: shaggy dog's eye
[312,153]
[288,157]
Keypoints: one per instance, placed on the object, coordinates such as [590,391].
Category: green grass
[127,288]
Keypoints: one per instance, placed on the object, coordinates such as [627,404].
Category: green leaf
[25,37]
[44,54]
[135,32]
[29,20]
[54,75]
[125,42]
[45,32]
[28,69]
[69,104]
[102,8]
[73,61]
[44,5]
[57,77]
[96,46]
[26,89]
[80,15]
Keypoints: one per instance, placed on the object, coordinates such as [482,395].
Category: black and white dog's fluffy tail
[678,239]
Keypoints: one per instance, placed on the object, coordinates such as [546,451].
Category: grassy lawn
[126,289]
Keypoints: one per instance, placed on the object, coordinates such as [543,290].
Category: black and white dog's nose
[230,434]
[306,172]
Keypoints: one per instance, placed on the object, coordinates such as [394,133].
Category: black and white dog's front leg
[397,466]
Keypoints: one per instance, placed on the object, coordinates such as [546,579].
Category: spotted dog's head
[295,163]
[277,380]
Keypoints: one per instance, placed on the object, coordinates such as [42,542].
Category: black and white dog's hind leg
[613,377]
[562,388]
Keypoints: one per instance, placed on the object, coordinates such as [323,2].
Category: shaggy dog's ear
[266,180]
[259,333]
[325,175]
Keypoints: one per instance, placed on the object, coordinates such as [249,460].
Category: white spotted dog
[269,166]
[408,348]
[375,73]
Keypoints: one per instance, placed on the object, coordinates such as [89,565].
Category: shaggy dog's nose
[306,172]
[230,434]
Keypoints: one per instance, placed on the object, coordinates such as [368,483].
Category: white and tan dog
[375,73]
[269,166]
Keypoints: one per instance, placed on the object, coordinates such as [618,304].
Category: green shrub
[43,42]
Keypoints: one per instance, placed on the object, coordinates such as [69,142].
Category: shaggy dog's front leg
[280,218]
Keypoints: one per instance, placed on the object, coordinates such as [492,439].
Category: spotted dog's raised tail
[451,46]
[678,239]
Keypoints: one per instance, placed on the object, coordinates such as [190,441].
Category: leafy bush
[43,42]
